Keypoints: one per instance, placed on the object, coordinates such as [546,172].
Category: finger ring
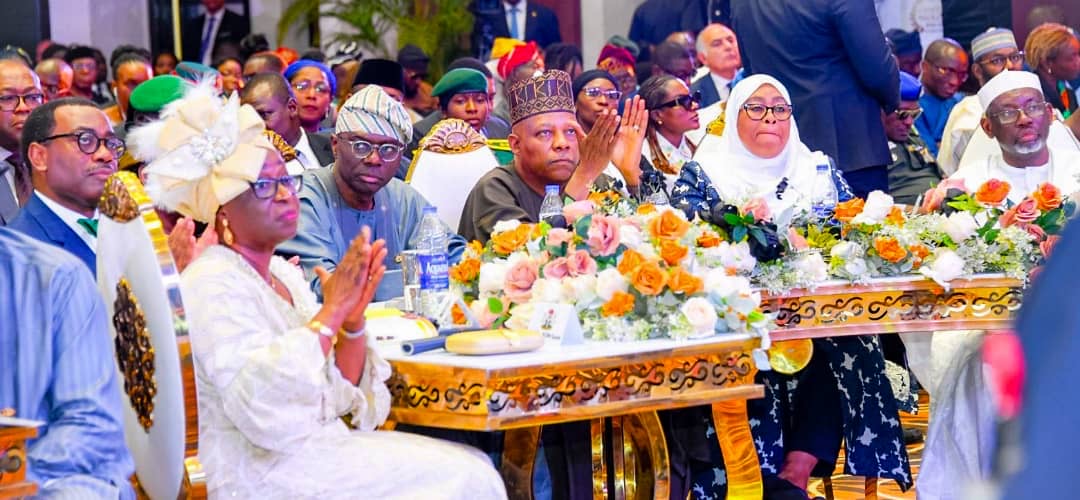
[635,128]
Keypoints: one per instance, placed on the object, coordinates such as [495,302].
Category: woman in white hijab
[843,394]
[758,155]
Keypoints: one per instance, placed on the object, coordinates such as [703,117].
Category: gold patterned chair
[451,159]
[141,288]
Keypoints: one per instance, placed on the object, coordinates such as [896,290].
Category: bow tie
[90,225]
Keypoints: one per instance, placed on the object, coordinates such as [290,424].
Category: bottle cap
[551,188]
[430,209]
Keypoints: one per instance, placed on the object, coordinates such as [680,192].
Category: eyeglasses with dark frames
[387,152]
[266,188]
[686,101]
[10,102]
[1033,109]
[757,112]
[88,142]
[999,60]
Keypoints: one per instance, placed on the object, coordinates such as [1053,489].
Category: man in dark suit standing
[212,32]
[519,19]
[71,150]
[832,57]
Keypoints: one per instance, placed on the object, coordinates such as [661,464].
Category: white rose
[876,208]
[845,250]
[701,315]
[947,266]
[548,290]
[492,276]
[610,281]
[580,289]
[855,267]
[520,316]
[736,256]
[812,267]
[719,284]
[960,226]
[630,236]
[505,225]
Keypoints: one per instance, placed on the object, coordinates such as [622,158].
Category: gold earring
[226,233]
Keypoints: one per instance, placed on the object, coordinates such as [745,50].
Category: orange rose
[684,282]
[648,279]
[847,210]
[668,225]
[889,249]
[646,209]
[465,271]
[602,198]
[621,303]
[457,315]
[992,192]
[1047,197]
[896,216]
[919,251]
[507,242]
[475,247]
[630,261]
[672,252]
[708,239]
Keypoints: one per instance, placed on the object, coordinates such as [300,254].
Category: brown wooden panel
[569,14]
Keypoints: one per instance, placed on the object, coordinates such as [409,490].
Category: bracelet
[353,335]
[321,329]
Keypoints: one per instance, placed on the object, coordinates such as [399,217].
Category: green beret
[152,95]
[460,80]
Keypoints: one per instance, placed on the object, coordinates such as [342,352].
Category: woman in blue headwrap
[315,86]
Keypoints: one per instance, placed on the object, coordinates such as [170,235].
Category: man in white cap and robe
[1019,120]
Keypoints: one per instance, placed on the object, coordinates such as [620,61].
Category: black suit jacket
[653,21]
[320,145]
[709,94]
[832,57]
[541,25]
[233,28]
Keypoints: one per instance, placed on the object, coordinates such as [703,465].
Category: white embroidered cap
[1007,81]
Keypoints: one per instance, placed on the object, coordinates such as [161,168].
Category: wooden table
[624,382]
[13,483]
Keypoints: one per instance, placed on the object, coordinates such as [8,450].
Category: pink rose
[577,210]
[796,240]
[758,208]
[483,313]
[557,269]
[1026,211]
[1036,231]
[559,236]
[603,235]
[1048,245]
[519,281]
[580,263]
[935,196]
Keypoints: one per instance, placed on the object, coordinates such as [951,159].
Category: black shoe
[776,488]
[912,436]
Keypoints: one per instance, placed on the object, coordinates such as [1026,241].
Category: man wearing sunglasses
[944,70]
[71,150]
[360,190]
[913,169]
[20,93]
[992,51]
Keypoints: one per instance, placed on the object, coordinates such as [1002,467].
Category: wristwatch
[321,329]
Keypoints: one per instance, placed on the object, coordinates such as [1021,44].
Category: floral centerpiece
[630,272]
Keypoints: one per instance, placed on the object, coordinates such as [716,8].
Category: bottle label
[434,272]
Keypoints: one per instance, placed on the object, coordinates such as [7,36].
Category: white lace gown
[270,402]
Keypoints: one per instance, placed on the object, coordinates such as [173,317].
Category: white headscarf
[737,174]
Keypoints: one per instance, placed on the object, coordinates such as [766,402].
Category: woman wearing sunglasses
[275,369]
[804,417]
[673,111]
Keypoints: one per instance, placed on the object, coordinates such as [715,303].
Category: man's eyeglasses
[11,102]
[84,66]
[387,152]
[999,60]
[757,112]
[687,101]
[594,92]
[320,87]
[89,142]
[266,188]
[962,75]
[1031,109]
[906,114]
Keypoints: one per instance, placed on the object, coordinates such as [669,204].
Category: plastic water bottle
[823,196]
[552,204]
[434,268]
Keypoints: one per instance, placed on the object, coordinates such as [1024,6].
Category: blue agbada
[931,123]
[56,366]
[327,226]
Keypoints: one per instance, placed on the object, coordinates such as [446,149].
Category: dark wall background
[24,23]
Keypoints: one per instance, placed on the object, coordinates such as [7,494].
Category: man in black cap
[418,100]
[389,75]
[907,48]
[83,61]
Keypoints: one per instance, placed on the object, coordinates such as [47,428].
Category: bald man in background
[56,76]
[945,68]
